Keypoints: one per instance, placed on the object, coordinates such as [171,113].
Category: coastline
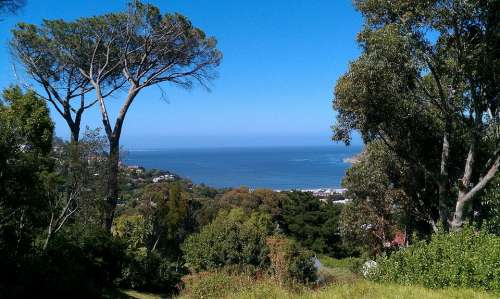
[275,168]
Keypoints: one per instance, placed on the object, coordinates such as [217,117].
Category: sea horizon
[128,148]
[272,167]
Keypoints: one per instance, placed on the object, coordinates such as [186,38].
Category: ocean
[278,168]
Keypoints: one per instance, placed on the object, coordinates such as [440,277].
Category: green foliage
[159,219]
[463,259]
[177,208]
[150,272]
[29,115]
[302,267]
[233,238]
[151,231]
[102,253]
[25,170]
[313,223]
[81,172]
[133,229]
[490,200]
[289,262]
[75,264]
[380,205]
[259,200]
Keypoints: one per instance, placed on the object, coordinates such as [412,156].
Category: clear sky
[275,86]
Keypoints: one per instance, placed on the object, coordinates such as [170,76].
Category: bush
[289,262]
[76,264]
[237,241]
[233,238]
[150,272]
[460,259]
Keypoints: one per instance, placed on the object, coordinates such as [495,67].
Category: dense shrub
[489,215]
[150,272]
[290,262]
[233,238]
[238,241]
[461,259]
[313,223]
[76,264]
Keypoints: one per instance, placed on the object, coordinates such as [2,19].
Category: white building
[165,177]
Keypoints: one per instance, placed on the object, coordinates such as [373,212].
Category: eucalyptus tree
[121,54]
[426,84]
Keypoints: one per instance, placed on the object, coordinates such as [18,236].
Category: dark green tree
[169,217]
[78,185]
[25,166]
[313,223]
[378,185]
[233,238]
[489,212]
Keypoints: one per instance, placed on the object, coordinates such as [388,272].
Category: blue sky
[281,61]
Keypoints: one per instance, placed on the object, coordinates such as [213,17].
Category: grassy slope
[345,285]
[359,289]
[355,290]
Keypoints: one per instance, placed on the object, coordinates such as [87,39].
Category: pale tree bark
[467,194]
[443,182]
[114,152]
[467,190]
[59,218]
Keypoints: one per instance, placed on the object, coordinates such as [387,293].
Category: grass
[130,294]
[331,262]
[359,289]
[138,295]
[336,270]
[341,284]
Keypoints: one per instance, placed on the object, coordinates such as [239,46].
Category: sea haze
[281,168]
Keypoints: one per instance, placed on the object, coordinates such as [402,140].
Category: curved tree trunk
[112,188]
[443,180]
[465,195]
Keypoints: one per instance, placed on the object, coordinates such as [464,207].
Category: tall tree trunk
[49,233]
[464,186]
[457,222]
[114,149]
[444,179]
[112,188]
[75,133]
